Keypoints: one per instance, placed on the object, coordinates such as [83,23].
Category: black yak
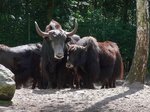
[110,65]
[23,61]
[84,58]
[53,56]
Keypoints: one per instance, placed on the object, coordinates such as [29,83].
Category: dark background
[113,20]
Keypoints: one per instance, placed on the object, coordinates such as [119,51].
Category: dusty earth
[133,98]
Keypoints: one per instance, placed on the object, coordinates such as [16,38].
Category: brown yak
[82,57]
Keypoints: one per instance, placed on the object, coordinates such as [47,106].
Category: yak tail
[118,68]
[122,70]
[121,66]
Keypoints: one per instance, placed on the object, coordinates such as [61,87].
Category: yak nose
[68,65]
[59,56]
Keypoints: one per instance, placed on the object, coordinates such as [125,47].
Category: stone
[7,84]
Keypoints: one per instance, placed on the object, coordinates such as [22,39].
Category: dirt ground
[133,98]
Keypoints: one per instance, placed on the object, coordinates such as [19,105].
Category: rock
[7,84]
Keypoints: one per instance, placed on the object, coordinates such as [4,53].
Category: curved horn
[41,33]
[74,30]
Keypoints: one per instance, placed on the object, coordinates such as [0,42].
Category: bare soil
[133,98]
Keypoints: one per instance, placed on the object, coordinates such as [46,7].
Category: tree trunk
[139,64]
[125,11]
[50,9]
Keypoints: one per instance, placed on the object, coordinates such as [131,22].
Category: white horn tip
[75,20]
[35,22]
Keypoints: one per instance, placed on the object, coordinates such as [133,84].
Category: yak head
[76,55]
[53,25]
[57,38]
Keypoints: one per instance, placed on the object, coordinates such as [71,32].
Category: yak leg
[87,82]
[105,84]
[112,83]
[78,81]
[34,84]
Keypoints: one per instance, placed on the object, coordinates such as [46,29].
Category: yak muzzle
[69,65]
[59,56]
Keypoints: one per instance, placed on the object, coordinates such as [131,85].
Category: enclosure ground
[133,98]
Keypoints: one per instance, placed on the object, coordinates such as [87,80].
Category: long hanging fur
[111,64]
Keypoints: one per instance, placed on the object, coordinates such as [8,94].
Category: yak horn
[82,47]
[41,33]
[74,30]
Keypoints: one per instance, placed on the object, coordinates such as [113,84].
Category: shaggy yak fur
[84,58]
[90,59]
[54,72]
[111,64]
[23,61]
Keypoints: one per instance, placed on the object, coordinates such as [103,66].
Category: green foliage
[16,19]
[103,19]
[105,24]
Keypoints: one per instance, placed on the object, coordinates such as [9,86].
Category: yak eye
[46,38]
[68,53]
[53,34]
[51,28]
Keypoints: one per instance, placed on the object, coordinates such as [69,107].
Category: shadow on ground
[97,107]
[101,105]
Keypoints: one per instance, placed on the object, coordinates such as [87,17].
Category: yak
[84,58]
[110,65]
[54,54]
[23,61]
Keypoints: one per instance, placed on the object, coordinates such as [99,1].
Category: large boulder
[7,84]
